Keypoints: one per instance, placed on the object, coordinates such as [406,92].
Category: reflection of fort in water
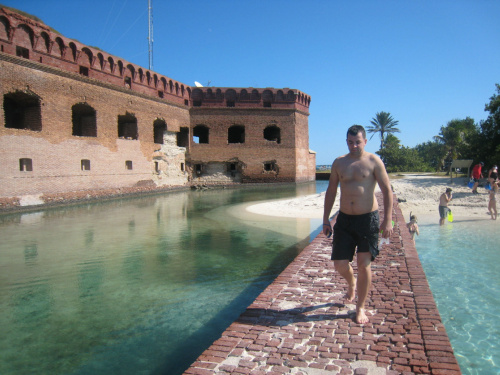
[90,270]
[76,118]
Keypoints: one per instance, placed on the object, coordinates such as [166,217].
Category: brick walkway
[299,324]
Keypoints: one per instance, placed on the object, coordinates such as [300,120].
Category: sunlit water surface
[136,286]
[461,261]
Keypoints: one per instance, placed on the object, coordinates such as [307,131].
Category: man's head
[448,190]
[355,129]
[356,140]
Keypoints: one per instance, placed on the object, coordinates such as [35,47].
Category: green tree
[455,139]
[488,145]
[399,158]
[431,154]
[383,124]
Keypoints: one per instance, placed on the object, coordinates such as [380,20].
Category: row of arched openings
[236,134]
[22,111]
[25,39]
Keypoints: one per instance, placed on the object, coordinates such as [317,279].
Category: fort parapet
[75,118]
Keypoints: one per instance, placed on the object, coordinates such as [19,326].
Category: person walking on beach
[492,205]
[476,176]
[413,227]
[444,199]
[357,223]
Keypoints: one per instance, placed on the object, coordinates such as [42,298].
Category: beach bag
[471,183]
[488,186]
[450,216]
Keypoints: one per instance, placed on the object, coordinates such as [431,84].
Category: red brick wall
[60,72]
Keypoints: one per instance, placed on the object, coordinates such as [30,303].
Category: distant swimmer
[357,224]
[413,226]
[444,199]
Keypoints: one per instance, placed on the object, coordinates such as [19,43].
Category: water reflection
[136,286]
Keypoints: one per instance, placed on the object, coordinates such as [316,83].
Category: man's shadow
[279,318]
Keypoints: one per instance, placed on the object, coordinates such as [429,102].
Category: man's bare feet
[351,290]
[361,317]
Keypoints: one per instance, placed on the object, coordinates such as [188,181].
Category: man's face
[356,144]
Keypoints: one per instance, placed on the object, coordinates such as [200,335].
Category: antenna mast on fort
[150,33]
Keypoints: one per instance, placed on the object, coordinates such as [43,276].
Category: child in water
[492,205]
[413,226]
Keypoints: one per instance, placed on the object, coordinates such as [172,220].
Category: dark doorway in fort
[183,138]
[84,120]
[22,52]
[272,133]
[200,134]
[160,127]
[22,111]
[127,126]
[25,165]
[270,166]
[236,134]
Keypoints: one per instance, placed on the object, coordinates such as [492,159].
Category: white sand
[417,193]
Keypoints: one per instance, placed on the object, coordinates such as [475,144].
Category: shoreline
[415,193]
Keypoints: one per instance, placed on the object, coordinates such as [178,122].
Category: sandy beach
[416,193]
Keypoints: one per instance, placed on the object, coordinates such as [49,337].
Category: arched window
[59,50]
[159,128]
[84,120]
[87,57]
[100,58]
[272,133]
[4,28]
[111,63]
[230,96]
[120,68]
[22,111]
[197,97]
[200,134]
[141,75]
[46,41]
[236,134]
[244,95]
[127,126]
[73,51]
[255,95]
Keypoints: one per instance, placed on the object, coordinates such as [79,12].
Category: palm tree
[383,123]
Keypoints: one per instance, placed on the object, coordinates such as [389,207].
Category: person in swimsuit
[444,199]
[413,227]
[493,175]
[357,224]
[492,205]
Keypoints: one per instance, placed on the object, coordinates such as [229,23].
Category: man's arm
[331,193]
[384,183]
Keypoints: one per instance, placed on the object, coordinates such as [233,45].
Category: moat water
[144,285]
[136,286]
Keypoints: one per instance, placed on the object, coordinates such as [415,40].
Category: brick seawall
[300,325]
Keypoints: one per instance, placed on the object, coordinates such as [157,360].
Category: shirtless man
[444,199]
[357,224]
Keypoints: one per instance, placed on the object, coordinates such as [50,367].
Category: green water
[136,286]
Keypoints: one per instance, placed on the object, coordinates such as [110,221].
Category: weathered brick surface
[46,79]
[300,321]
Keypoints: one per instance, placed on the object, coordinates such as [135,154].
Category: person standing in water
[357,223]
[413,227]
[444,199]
[492,205]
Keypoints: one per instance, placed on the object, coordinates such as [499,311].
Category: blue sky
[425,62]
